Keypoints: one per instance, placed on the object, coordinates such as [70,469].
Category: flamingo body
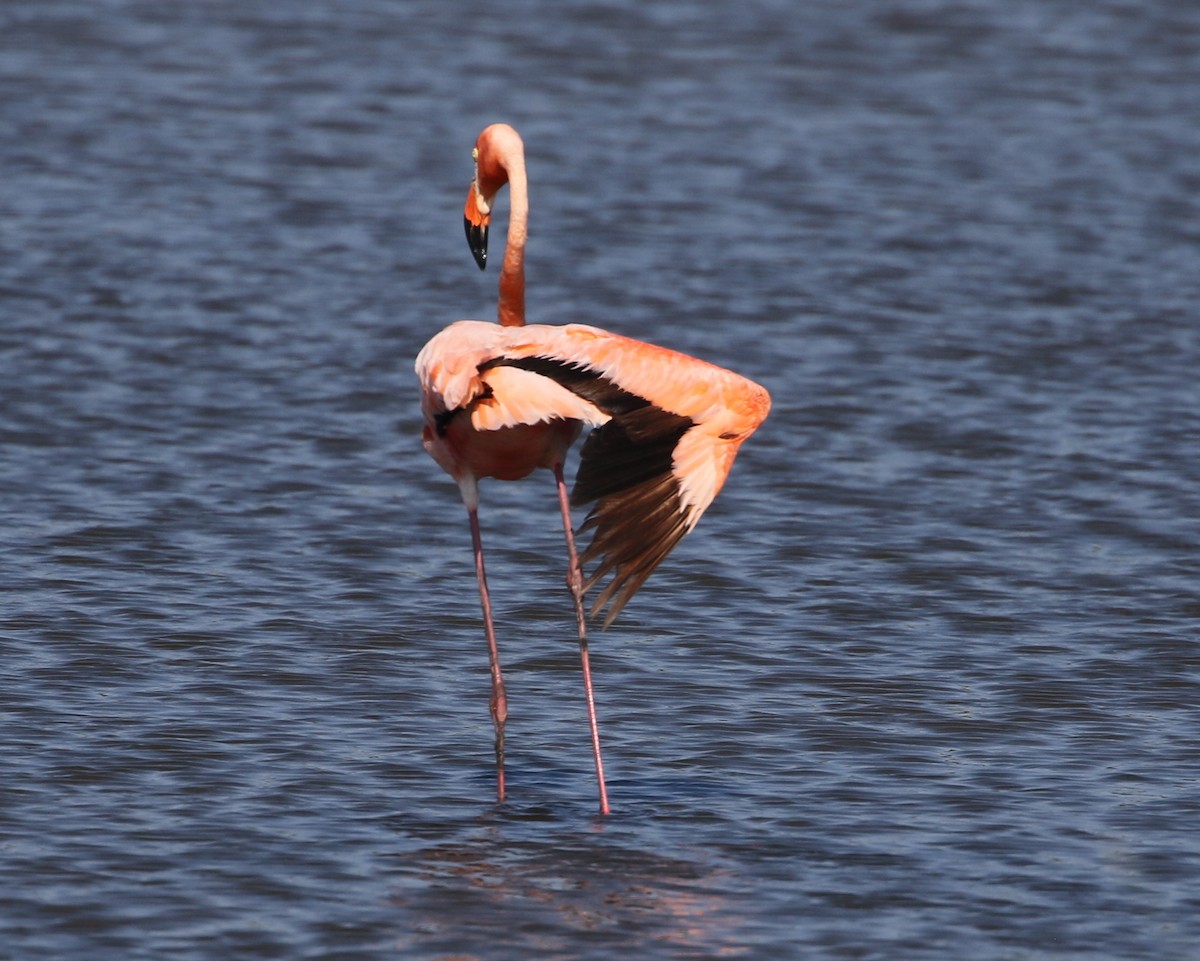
[502,401]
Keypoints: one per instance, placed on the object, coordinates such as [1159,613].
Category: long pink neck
[512,273]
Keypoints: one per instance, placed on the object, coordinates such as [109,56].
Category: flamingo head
[498,148]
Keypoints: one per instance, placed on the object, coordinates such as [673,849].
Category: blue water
[923,684]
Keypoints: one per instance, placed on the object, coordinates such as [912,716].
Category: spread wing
[653,468]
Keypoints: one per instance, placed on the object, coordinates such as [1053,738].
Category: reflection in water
[545,898]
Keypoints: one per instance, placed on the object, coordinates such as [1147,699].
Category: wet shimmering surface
[922,685]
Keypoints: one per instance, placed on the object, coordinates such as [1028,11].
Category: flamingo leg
[499,702]
[575,582]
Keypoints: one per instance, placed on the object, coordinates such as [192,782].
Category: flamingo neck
[512,272]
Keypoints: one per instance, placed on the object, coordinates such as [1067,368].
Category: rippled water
[923,684]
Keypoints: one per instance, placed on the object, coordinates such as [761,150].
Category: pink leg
[499,703]
[575,582]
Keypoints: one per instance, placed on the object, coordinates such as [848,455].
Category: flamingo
[501,400]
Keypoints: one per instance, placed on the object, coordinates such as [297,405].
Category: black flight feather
[625,467]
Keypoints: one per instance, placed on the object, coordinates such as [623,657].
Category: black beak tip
[477,240]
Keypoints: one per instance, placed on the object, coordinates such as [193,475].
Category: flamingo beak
[475,221]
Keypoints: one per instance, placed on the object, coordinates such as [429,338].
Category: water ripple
[921,684]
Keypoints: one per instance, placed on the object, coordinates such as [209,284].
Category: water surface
[923,683]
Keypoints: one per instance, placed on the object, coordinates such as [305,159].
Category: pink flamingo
[502,400]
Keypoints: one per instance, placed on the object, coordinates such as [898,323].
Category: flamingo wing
[513,397]
[673,428]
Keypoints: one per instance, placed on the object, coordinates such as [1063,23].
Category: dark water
[923,684]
